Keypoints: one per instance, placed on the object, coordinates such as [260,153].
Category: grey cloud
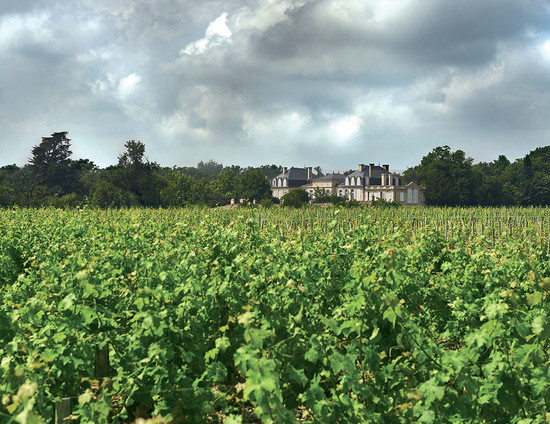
[437,72]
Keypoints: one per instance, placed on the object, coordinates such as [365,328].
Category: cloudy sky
[292,82]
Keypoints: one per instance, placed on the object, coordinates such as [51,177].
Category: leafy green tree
[183,190]
[527,178]
[26,189]
[336,200]
[254,185]
[490,182]
[106,194]
[447,176]
[226,183]
[137,175]
[320,195]
[6,189]
[269,171]
[295,198]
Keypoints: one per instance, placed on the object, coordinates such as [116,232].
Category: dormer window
[358,180]
[347,181]
[285,182]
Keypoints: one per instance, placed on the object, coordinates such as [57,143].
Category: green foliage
[336,200]
[254,185]
[320,195]
[447,177]
[314,315]
[383,203]
[52,165]
[295,198]
[106,194]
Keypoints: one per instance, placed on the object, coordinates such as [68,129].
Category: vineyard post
[102,365]
[62,410]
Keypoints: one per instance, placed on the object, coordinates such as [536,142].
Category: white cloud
[17,27]
[216,34]
[545,49]
[345,128]
[128,84]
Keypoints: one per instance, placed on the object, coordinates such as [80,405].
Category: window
[409,196]
[285,182]
[358,180]
[415,196]
[347,181]
[401,196]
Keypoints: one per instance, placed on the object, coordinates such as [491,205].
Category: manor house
[367,183]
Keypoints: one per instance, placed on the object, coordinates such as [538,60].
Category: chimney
[371,168]
[309,174]
[361,167]
[284,169]
[386,167]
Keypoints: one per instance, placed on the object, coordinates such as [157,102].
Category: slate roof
[377,172]
[296,177]
[332,177]
[294,174]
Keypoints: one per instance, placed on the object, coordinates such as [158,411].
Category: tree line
[51,177]
[452,179]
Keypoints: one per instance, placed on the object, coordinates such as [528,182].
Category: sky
[330,83]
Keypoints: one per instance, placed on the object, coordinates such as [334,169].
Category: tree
[527,178]
[226,182]
[320,195]
[134,154]
[135,174]
[182,190]
[319,171]
[447,176]
[52,165]
[296,198]
[254,185]
[106,194]
[490,182]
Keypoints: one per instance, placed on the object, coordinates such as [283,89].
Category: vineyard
[242,315]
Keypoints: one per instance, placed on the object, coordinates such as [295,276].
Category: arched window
[285,182]
[415,196]
[347,181]
[409,196]
[358,180]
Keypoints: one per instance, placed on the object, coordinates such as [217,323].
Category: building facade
[374,182]
[366,184]
[290,179]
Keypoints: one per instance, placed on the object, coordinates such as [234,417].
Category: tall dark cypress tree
[52,164]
